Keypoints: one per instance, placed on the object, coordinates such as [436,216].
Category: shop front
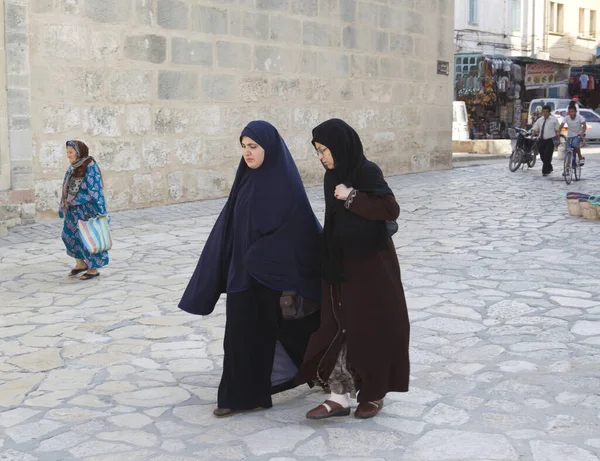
[491,88]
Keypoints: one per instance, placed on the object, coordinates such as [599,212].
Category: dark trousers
[253,326]
[249,345]
[546,149]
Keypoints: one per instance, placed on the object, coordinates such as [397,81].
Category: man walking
[548,129]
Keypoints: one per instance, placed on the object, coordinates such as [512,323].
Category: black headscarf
[347,235]
[266,233]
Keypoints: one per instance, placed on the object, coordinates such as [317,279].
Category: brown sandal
[225,412]
[328,409]
[367,410]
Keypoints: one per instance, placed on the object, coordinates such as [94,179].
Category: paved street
[504,297]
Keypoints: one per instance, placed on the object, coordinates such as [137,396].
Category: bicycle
[571,165]
[526,150]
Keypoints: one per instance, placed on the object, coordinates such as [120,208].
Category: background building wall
[161,89]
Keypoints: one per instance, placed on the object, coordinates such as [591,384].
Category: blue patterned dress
[88,203]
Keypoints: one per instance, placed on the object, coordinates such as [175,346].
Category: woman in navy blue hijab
[264,243]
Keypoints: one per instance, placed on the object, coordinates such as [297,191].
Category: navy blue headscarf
[271,237]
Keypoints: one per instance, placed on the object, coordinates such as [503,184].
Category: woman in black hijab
[263,246]
[362,343]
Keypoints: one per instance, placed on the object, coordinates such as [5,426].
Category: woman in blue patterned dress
[82,198]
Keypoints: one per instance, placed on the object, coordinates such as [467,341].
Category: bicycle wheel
[515,160]
[577,168]
[568,169]
[531,163]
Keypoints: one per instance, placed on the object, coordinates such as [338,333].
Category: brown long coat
[368,312]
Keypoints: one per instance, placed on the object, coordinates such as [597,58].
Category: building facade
[562,30]
[161,89]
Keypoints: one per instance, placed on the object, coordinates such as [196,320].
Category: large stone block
[47,194]
[368,14]
[172,14]
[17,56]
[306,7]
[329,8]
[53,155]
[178,85]
[256,26]
[41,6]
[85,85]
[188,150]
[332,64]
[60,119]
[64,41]
[21,145]
[175,181]
[149,48]
[355,38]
[348,10]
[237,118]
[283,60]
[231,55]
[380,41]
[156,154]
[117,191]
[171,121]
[144,12]
[206,119]
[364,66]
[392,68]
[414,23]
[377,92]
[139,121]
[391,18]
[209,20]
[305,118]
[254,89]
[286,89]
[317,34]
[129,86]
[318,90]
[219,88]
[273,5]
[221,151]
[284,29]
[103,121]
[18,102]
[21,175]
[415,70]
[149,189]
[70,6]
[116,155]
[279,116]
[191,52]
[402,44]
[105,44]
[16,17]
[108,10]
[205,184]
[20,122]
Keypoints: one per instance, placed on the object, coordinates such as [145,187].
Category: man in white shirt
[548,129]
[577,128]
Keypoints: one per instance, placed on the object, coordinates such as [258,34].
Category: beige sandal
[328,409]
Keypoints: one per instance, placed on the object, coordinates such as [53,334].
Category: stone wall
[160,89]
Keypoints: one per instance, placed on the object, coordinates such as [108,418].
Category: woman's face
[325,156]
[71,154]
[253,154]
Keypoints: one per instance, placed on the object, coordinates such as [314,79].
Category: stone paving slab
[503,290]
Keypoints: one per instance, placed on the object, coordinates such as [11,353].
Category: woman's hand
[342,192]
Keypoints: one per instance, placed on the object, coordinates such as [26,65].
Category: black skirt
[255,337]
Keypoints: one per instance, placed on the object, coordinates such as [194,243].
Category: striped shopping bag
[95,234]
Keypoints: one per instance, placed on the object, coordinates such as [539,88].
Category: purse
[95,234]
[295,307]
[392,227]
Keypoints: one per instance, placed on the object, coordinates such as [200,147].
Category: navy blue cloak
[266,233]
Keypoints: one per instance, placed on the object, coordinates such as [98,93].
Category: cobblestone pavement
[504,297]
